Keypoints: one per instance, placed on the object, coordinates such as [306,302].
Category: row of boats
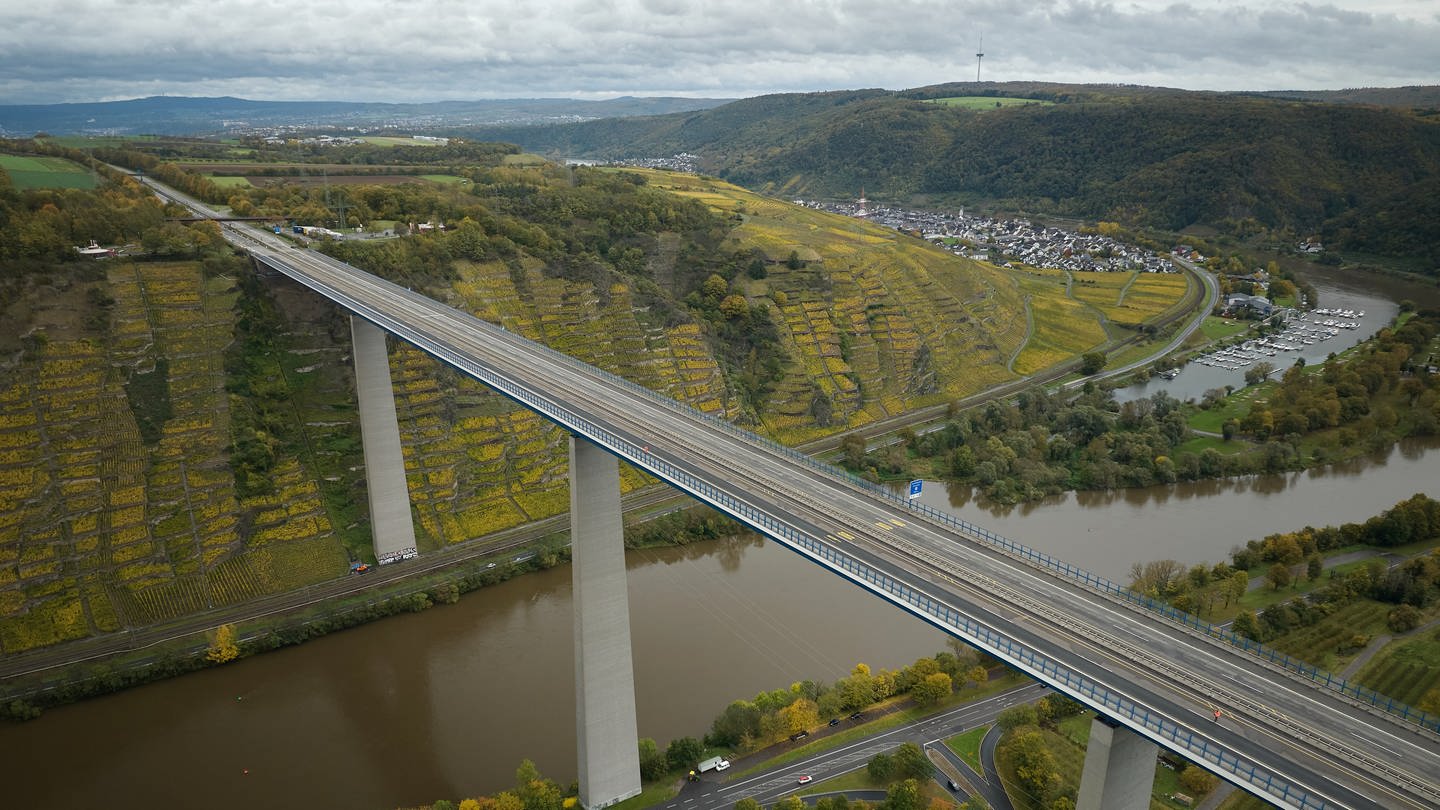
[1306,329]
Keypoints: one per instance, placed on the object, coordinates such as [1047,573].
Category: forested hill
[1146,156]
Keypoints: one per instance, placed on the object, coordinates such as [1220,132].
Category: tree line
[1052,442]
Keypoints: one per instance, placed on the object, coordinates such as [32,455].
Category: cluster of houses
[683,162]
[1003,241]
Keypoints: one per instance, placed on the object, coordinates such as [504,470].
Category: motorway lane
[629,424]
[780,487]
[688,447]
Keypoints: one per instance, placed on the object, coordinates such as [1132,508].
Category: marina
[1301,329]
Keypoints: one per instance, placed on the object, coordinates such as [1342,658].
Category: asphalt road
[1280,733]
[721,792]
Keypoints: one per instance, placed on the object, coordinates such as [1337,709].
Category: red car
[804,780]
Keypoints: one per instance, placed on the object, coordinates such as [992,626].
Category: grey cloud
[76,50]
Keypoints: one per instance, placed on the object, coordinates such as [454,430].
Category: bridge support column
[604,671]
[1119,769]
[380,436]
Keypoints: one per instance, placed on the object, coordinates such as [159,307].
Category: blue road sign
[915,488]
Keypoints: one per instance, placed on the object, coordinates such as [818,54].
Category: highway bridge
[1302,740]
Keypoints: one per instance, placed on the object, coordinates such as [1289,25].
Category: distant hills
[1342,163]
[171,115]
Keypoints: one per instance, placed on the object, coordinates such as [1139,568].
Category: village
[1005,241]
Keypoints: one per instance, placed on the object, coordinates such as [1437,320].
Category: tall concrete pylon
[604,668]
[380,435]
[1119,769]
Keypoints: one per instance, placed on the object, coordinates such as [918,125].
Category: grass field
[226,181]
[45,172]
[1130,298]
[1061,328]
[1217,328]
[1408,671]
[967,746]
[986,102]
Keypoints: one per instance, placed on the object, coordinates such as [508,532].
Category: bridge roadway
[1282,737]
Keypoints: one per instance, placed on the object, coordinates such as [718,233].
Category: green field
[226,181]
[444,178]
[45,172]
[986,102]
[1408,671]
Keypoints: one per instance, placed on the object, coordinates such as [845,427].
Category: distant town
[1003,241]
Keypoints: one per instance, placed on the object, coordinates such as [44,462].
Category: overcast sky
[427,50]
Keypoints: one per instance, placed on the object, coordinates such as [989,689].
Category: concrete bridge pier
[1119,769]
[390,519]
[604,670]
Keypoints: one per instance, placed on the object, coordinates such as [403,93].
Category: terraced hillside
[117,503]
[877,323]
[177,436]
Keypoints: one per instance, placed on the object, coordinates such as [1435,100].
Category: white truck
[713,764]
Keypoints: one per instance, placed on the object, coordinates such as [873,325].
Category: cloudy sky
[427,50]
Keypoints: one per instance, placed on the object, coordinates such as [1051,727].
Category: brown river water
[445,703]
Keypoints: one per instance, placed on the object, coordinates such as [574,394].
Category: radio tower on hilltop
[861,211]
[978,56]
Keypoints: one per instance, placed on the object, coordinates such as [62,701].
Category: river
[445,703]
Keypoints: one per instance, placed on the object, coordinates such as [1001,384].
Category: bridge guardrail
[1319,676]
[1324,678]
[1108,701]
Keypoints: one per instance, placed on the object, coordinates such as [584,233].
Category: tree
[1403,618]
[734,306]
[1035,767]
[1245,625]
[683,752]
[1258,373]
[535,791]
[1017,716]
[1092,362]
[1197,780]
[791,802]
[1313,567]
[224,648]
[747,803]
[881,767]
[1279,576]
[911,762]
[715,286]
[931,689]
[653,764]
[903,795]
[800,715]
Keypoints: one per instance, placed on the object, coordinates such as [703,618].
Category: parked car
[799,735]
[834,721]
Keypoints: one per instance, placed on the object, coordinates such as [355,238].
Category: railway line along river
[445,703]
